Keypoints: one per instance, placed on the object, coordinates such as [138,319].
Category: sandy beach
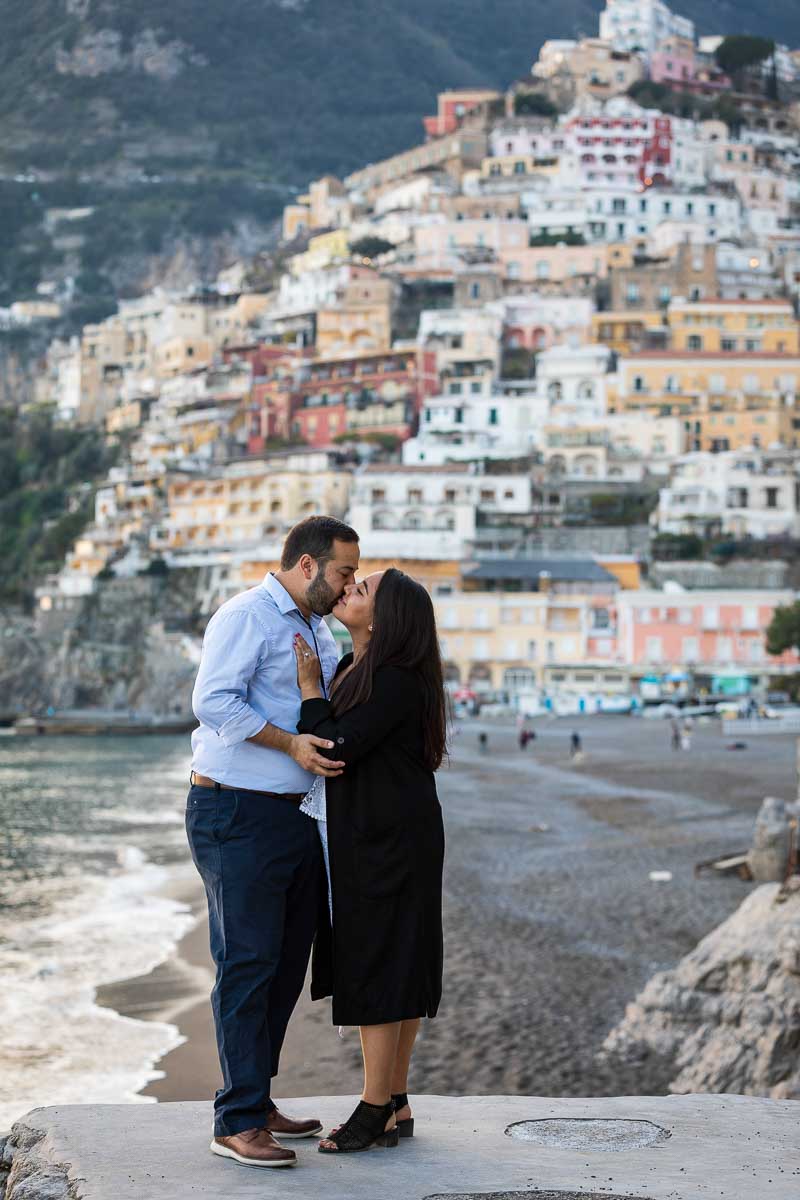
[552,923]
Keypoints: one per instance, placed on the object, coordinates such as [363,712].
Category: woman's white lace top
[313,804]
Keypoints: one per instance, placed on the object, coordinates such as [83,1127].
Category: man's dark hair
[314,536]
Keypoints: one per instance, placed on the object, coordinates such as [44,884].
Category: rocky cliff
[131,646]
[727,1017]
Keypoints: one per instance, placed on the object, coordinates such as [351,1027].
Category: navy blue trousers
[259,858]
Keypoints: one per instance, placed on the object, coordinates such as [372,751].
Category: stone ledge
[726,1147]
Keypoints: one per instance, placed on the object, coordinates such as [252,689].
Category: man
[258,855]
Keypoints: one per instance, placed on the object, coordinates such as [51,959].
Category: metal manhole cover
[587,1133]
[532,1196]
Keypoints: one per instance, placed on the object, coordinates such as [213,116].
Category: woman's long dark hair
[404,636]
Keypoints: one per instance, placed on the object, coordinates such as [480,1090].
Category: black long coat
[382,961]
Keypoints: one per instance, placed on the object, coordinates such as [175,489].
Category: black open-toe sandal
[404,1128]
[363,1129]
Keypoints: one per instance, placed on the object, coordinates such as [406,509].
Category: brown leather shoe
[254,1148]
[285,1127]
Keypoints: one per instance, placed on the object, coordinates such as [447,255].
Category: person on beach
[380,957]
[257,853]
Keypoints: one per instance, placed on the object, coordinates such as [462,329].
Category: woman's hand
[308,669]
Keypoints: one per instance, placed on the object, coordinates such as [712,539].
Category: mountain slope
[178,118]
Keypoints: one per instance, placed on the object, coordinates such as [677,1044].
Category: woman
[381,956]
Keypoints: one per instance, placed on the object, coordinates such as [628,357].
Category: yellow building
[591,67]
[359,321]
[252,502]
[323,251]
[437,575]
[626,332]
[179,354]
[727,400]
[515,166]
[511,641]
[767,326]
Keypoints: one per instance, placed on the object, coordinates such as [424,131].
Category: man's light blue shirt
[248,678]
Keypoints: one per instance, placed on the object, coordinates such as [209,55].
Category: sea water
[91,838]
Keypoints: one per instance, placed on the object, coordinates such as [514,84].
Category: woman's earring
[369,627]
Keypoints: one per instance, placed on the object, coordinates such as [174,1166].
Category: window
[710,616]
[639,384]
[685,616]
[750,616]
[378,496]
[654,650]
[449,618]
[728,343]
[415,495]
[475,388]
[694,342]
[481,618]
[690,649]
[493,416]
[474,291]
[532,650]
[542,269]
[632,293]
[772,497]
[724,649]
[487,496]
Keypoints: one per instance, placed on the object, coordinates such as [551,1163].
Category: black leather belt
[204,781]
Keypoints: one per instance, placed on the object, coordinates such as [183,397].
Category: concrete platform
[636,1148]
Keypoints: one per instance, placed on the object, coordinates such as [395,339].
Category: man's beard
[320,595]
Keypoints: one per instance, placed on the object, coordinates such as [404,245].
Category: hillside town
[547,361]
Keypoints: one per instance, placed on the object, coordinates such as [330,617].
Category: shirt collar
[283,600]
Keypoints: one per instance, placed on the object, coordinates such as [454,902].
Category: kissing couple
[313,818]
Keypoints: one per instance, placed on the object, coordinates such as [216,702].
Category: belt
[204,781]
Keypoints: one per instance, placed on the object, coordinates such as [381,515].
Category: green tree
[534,104]
[739,51]
[371,247]
[783,631]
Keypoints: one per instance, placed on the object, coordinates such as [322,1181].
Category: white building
[616,215]
[574,381]
[491,425]
[641,24]
[743,493]
[745,272]
[429,512]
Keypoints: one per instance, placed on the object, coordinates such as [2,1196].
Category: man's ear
[307,565]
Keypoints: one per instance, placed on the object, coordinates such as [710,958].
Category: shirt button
[340,741]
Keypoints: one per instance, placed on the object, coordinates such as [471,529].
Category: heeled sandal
[363,1129]
[405,1128]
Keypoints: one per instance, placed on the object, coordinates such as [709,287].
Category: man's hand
[303,751]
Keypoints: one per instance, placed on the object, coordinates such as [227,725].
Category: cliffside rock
[33,1174]
[727,1017]
[769,856]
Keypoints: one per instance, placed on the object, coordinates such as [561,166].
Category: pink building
[716,634]
[452,107]
[673,62]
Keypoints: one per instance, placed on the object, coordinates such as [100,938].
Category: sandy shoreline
[552,923]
